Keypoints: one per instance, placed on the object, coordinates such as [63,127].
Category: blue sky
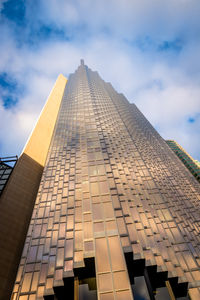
[148,49]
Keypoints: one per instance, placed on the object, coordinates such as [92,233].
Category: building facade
[116,214]
[189,162]
[6,167]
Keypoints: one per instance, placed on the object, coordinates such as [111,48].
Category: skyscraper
[115,208]
[189,162]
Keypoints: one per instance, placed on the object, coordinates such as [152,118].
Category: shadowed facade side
[18,198]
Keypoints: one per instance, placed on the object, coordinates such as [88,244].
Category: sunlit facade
[192,165]
[116,216]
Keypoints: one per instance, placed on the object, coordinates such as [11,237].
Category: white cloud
[120,40]
[2,4]
[127,18]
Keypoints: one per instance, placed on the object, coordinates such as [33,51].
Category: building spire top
[82,62]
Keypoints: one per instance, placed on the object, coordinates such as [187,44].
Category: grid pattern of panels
[74,215]
[5,171]
[110,185]
[188,161]
[166,212]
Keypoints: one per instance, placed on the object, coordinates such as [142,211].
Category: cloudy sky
[148,49]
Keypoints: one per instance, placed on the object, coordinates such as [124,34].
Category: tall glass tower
[117,214]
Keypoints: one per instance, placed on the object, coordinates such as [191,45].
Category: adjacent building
[192,165]
[6,167]
[111,211]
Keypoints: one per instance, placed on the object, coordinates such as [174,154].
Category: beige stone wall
[18,198]
[39,141]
